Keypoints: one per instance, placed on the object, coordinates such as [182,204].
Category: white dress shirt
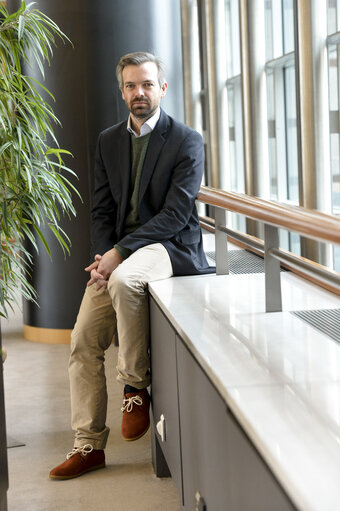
[147,127]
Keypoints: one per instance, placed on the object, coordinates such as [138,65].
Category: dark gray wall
[83,82]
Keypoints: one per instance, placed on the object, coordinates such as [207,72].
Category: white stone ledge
[278,375]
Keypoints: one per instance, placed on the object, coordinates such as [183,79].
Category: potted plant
[34,189]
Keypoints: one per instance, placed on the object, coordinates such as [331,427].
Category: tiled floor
[38,415]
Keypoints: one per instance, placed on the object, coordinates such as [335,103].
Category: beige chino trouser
[123,306]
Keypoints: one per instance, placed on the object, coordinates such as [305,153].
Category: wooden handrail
[312,224]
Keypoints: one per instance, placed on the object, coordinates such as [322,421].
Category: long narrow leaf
[33,188]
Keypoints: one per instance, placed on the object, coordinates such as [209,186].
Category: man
[145,227]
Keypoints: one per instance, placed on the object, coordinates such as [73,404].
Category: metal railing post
[272,270]
[221,243]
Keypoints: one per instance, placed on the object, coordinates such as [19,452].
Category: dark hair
[136,59]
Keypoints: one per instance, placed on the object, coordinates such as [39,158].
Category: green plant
[33,188]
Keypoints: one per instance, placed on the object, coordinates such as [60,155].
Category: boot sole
[136,437]
[97,467]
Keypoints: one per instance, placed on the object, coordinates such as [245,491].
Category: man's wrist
[122,251]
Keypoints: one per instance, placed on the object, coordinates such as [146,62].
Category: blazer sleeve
[180,198]
[104,208]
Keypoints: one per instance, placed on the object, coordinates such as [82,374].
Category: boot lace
[130,401]
[86,449]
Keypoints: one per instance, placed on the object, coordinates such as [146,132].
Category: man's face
[141,90]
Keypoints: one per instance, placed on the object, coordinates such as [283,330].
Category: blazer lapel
[156,142]
[124,169]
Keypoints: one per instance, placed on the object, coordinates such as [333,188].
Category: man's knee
[124,280]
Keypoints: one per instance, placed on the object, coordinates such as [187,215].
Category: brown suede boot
[78,461]
[136,420]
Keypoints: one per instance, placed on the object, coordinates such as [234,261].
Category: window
[333,43]
[233,86]
[270,127]
[281,108]
[234,108]
[281,100]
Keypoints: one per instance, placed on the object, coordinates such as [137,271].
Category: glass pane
[337,258]
[292,167]
[273,169]
[269,29]
[288,26]
[232,25]
[236,221]
[239,137]
[333,77]
[232,144]
[279,23]
[270,96]
[332,16]
[335,151]
[271,136]
[290,241]
[235,138]
[294,243]
[333,70]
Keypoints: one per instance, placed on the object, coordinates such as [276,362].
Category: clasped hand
[102,267]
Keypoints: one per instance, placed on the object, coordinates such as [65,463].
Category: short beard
[141,113]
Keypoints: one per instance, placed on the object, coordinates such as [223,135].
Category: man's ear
[163,89]
[121,90]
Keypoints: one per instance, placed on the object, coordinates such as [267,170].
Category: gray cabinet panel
[204,431]
[218,459]
[253,486]
[164,393]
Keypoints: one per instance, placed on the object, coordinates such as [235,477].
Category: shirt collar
[147,127]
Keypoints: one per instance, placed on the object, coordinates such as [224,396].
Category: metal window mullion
[321,116]
[186,33]
[191,64]
[303,77]
[209,76]
[221,243]
[258,100]
[196,69]
[219,96]
[246,105]
[310,31]
[203,78]
[191,76]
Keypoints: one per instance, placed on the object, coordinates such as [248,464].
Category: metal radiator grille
[242,261]
[326,321]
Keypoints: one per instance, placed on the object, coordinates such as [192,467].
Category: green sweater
[139,146]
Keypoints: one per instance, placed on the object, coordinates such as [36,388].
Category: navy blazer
[170,180]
